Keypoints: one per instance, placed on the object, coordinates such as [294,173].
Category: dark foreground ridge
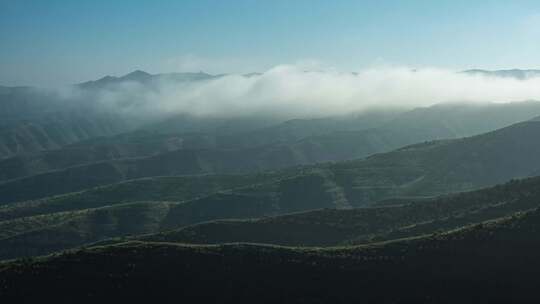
[492,262]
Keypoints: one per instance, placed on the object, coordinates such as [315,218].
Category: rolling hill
[73,220]
[421,170]
[56,130]
[333,227]
[309,150]
[153,141]
[40,227]
[148,189]
[33,120]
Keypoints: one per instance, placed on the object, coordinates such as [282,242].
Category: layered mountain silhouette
[396,178]
[145,154]
[437,204]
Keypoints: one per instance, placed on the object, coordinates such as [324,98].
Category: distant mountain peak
[147,78]
[137,75]
[107,78]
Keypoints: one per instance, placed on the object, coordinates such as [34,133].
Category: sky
[54,42]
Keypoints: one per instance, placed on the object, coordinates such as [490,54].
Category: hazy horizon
[293,91]
[62,42]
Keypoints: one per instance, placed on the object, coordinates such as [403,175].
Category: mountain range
[419,171]
[435,204]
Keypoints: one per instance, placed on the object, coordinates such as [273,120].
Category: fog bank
[290,91]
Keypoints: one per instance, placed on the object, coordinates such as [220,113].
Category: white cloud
[290,91]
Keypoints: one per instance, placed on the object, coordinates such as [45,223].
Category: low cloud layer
[291,91]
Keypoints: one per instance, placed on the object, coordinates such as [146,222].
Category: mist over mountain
[36,119]
[288,91]
[143,77]
[285,157]
[378,159]
[270,152]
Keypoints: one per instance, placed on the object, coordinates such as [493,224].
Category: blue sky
[56,42]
